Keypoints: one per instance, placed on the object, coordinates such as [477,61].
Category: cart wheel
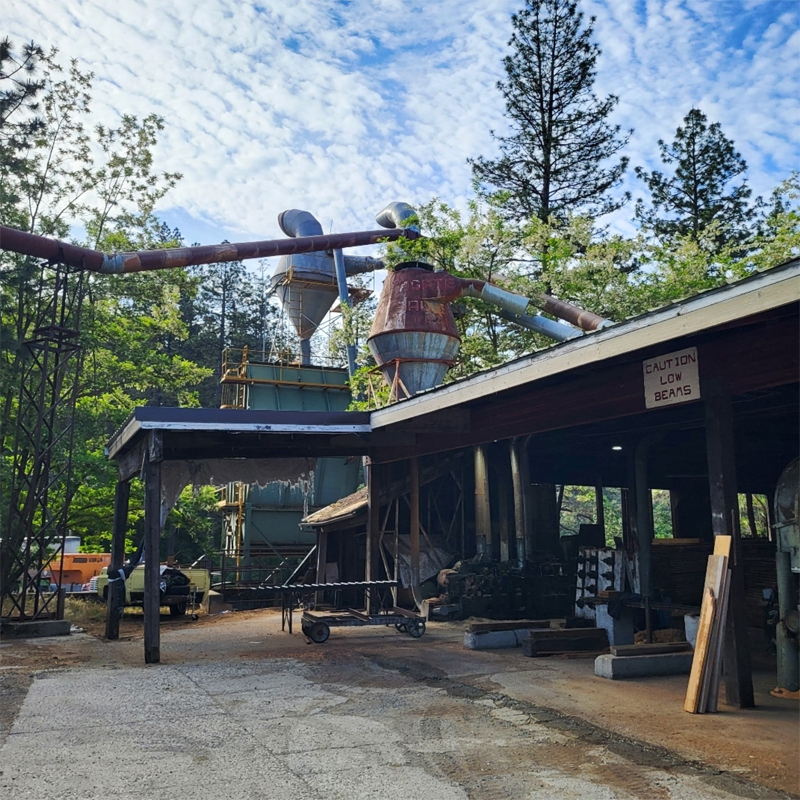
[306,628]
[416,628]
[319,632]
[401,626]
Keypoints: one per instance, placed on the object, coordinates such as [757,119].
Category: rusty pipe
[585,320]
[55,251]
[517,304]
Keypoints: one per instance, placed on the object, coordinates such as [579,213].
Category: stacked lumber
[565,641]
[644,649]
[678,568]
[702,692]
[758,558]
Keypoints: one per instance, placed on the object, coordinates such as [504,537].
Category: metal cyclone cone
[414,338]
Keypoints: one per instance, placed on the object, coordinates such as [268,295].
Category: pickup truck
[176,597]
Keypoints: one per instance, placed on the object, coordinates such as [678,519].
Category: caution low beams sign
[671,378]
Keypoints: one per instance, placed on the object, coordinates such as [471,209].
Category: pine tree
[554,162]
[694,197]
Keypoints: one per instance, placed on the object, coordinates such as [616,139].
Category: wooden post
[520,531]
[644,516]
[152,538]
[600,505]
[322,563]
[373,530]
[116,593]
[725,522]
[414,522]
[483,515]
[504,515]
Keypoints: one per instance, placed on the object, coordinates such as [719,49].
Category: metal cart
[316,625]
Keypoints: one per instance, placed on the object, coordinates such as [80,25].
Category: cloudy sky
[338,107]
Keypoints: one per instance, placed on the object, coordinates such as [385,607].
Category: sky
[341,106]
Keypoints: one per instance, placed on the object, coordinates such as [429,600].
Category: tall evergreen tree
[697,194]
[554,162]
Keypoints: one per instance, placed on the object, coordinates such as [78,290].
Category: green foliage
[554,163]
[193,526]
[697,198]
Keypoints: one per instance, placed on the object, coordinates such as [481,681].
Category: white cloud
[339,107]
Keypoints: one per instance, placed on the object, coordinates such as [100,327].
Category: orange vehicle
[77,569]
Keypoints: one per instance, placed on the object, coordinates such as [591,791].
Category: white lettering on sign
[671,378]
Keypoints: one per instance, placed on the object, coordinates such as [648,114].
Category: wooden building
[700,398]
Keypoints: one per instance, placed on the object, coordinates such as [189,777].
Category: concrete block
[618,667]
[32,629]
[690,624]
[620,631]
[215,603]
[495,640]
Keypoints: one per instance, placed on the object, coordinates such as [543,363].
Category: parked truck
[180,587]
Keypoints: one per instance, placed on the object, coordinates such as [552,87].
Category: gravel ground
[239,709]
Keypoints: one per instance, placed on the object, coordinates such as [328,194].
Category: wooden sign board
[671,378]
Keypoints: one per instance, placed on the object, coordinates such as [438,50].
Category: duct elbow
[358,265]
[294,222]
[395,214]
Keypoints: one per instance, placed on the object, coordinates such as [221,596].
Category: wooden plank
[650,649]
[715,577]
[691,702]
[716,665]
[535,647]
[716,582]
[567,633]
[709,695]
[511,625]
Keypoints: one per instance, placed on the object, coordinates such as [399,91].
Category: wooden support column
[504,492]
[152,539]
[373,530]
[520,529]
[644,516]
[600,505]
[322,562]
[116,594]
[483,515]
[725,522]
[414,522]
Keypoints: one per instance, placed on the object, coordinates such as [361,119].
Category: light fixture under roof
[616,447]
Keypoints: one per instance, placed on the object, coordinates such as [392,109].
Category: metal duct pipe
[395,214]
[294,222]
[344,301]
[543,325]
[517,304]
[585,320]
[56,251]
[358,265]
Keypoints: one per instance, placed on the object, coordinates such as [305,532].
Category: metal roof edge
[770,289]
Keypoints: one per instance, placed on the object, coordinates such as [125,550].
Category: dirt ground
[632,737]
